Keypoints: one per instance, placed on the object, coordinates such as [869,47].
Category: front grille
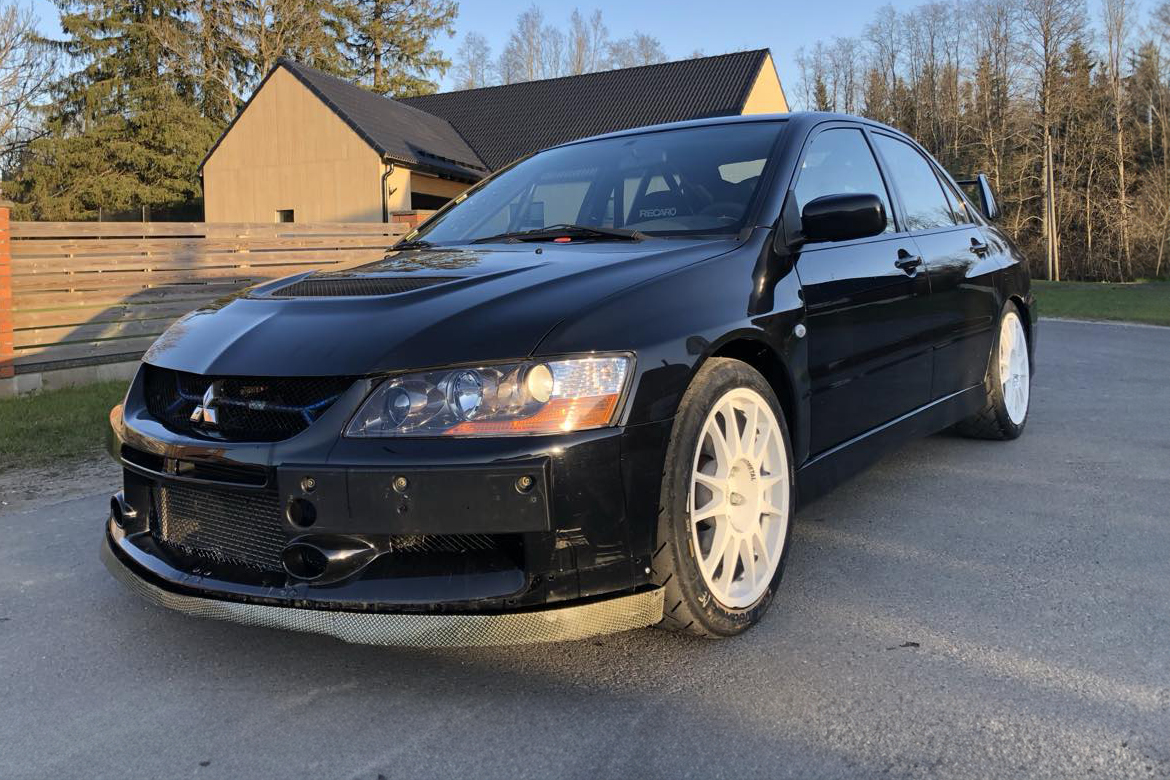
[358,285]
[242,528]
[247,408]
[442,543]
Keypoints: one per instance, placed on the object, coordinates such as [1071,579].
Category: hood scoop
[341,286]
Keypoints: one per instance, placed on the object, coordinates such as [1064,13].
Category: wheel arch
[760,356]
[1027,321]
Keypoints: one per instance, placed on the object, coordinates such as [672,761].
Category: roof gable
[392,129]
[504,123]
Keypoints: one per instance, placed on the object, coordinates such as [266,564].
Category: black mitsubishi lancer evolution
[586,396]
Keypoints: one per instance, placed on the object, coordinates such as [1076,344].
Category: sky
[682,26]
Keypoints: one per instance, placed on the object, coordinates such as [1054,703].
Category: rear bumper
[557,624]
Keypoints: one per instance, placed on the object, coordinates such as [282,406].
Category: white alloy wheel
[739,495]
[1013,367]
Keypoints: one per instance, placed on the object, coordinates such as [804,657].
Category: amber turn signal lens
[558,416]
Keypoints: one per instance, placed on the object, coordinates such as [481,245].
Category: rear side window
[958,205]
[922,196]
[839,162]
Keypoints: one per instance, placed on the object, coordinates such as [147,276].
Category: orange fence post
[7,352]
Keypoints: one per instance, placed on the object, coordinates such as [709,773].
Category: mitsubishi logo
[205,413]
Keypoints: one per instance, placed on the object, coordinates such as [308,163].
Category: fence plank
[44,337]
[117,312]
[81,350]
[86,290]
[69,229]
[191,247]
[24,266]
[140,279]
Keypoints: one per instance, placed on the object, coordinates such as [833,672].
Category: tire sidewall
[717,377]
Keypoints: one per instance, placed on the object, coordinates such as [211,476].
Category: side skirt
[835,465]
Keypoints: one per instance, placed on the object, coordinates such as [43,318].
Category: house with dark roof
[310,147]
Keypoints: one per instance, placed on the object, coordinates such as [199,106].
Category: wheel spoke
[765,557]
[761,449]
[730,557]
[723,454]
[713,508]
[719,543]
[768,508]
[769,481]
[746,445]
[749,561]
[711,482]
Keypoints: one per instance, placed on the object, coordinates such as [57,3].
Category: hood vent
[357,285]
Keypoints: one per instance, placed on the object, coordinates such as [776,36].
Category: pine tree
[389,44]
[821,99]
[125,129]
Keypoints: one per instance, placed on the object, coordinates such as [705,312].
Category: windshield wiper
[416,244]
[566,230]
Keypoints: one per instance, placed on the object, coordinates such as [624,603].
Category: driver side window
[838,162]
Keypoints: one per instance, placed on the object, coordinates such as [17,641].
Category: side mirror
[842,217]
[980,188]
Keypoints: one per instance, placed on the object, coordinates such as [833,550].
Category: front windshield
[697,180]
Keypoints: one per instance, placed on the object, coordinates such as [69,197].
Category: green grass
[1147,302]
[56,426]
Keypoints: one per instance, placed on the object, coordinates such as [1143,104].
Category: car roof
[801,119]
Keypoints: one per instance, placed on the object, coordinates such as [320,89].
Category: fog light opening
[116,512]
[301,513]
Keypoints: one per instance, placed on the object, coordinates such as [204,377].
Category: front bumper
[558,624]
[581,531]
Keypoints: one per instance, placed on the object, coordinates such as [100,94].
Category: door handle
[979,247]
[907,262]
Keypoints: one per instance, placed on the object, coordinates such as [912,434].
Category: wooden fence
[83,294]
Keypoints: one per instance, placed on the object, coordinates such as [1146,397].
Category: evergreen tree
[821,99]
[125,129]
[389,44]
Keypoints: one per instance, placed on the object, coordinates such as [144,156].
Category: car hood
[488,303]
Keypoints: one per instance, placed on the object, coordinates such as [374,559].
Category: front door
[866,300]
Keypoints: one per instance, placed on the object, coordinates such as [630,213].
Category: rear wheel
[725,516]
[1008,383]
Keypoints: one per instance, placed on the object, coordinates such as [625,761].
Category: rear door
[866,300]
[963,307]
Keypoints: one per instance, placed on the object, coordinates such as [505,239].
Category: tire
[1007,385]
[754,484]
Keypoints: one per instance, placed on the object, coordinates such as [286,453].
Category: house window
[284,215]
[422,200]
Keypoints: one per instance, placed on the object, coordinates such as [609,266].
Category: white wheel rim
[1013,367]
[738,500]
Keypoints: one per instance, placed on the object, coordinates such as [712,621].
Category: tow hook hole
[301,513]
[304,561]
[116,512]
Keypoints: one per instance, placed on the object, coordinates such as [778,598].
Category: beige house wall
[289,151]
[767,96]
[397,188]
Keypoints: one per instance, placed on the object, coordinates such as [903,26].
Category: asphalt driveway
[964,609]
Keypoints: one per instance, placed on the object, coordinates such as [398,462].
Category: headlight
[503,399]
